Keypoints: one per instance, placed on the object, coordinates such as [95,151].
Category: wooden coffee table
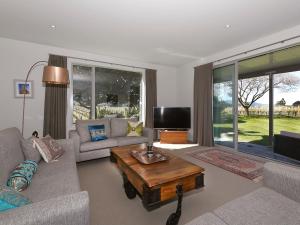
[157,183]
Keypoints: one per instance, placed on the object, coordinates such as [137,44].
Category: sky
[289,97]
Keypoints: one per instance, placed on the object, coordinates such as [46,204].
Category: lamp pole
[24,96]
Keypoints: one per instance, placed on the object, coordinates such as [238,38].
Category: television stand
[173,137]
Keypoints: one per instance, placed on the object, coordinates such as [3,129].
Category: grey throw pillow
[29,151]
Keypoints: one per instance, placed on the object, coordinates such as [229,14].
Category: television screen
[172,117]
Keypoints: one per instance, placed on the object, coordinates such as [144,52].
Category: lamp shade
[55,75]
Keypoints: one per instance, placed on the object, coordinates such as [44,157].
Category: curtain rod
[99,61]
[258,48]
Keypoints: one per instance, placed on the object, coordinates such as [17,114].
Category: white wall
[16,57]
[185,73]
[174,85]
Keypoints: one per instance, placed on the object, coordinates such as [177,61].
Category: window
[106,92]
[82,95]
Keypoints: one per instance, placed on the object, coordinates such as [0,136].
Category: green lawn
[256,129]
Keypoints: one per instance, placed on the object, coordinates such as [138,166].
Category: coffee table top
[157,173]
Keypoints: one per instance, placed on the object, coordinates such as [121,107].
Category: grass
[256,129]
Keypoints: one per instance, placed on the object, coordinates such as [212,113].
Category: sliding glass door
[254,99]
[223,105]
[253,110]
[287,103]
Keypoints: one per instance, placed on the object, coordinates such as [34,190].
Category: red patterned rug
[235,163]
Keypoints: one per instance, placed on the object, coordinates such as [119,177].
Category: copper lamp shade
[55,75]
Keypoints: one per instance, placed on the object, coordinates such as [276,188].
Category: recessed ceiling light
[52,26]
[227,26]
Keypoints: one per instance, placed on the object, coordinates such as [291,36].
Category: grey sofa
[54,191]
[277,203]
[116,131]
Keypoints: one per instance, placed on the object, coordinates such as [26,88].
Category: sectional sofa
[54,191]
[116,131]
[277,203]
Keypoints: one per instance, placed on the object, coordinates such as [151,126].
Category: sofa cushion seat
[206,219]
[91,146]
[263,206]
[131,140]
[54,179]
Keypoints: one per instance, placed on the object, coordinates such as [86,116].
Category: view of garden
[117,93]
[253,110]
[255,128]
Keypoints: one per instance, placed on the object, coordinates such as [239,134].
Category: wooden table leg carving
[174,217]
[129,188]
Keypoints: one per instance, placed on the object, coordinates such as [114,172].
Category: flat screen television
[172,118]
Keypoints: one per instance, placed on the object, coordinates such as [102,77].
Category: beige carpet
[110,206]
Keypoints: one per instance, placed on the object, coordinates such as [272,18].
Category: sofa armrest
[283,179]
[74,136]
[148,132]
[69,209]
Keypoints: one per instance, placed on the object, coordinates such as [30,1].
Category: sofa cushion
[131,140]
[97,132]
[206,219]
[134,129]
[83,131]
[11,153]
[263,206]
[48,148]
[10,199]
[29,151]
[21,176]
[54,179]
[90,146]
[119,126]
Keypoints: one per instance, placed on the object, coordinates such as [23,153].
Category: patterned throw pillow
[21,176]
[48,148]
[97,132]
[10,199]
[134,129]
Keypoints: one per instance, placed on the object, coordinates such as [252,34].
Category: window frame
[93,65]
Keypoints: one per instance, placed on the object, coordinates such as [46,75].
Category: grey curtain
[203,132]
[55,109]
[151,97]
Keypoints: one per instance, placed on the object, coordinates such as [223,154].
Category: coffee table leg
[174,217]
[129,189]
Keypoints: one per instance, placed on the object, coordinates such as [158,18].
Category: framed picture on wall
[21,88]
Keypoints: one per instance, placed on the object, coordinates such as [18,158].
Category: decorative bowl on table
[146,157]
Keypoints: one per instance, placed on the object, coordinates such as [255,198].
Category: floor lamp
[51,75]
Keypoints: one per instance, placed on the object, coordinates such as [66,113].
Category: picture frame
[19,89]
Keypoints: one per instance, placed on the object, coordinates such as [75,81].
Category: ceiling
[168,32]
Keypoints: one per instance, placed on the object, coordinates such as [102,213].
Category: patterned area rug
[235,163]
